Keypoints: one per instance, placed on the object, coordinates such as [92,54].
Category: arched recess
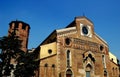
[69,73]
[68,56]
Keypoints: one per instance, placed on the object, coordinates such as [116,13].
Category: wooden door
[68,75]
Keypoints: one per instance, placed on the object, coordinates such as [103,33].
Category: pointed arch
[88,70]
[88,67]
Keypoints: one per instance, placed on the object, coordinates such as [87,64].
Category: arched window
[68,58]
[105,73]
[103,60]
[45,69]
[116,71]
[46,65]
[53,70]
[113,70]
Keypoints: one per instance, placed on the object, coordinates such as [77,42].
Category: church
[77,51]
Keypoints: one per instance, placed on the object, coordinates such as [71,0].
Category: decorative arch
[90,56]
[88,69]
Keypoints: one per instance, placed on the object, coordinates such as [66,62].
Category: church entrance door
[68,73]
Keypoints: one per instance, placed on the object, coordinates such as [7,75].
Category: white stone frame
[70,57]
[89,30]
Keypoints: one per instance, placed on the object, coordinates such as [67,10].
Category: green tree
[10,48]
[26,63]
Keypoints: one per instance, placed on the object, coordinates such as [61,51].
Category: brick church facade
[76,51]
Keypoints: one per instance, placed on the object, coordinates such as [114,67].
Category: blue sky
[46,15]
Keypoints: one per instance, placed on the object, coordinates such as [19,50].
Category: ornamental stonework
[85,45]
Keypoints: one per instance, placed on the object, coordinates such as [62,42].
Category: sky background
[44,16]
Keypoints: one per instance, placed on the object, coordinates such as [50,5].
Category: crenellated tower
[22,30]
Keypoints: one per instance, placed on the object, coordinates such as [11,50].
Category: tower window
[24,27]
[16,25]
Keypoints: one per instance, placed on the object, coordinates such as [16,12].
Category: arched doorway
[68,73]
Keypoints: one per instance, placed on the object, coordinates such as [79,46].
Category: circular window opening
[101,48]
[49,51]
[85,30]
[67,41]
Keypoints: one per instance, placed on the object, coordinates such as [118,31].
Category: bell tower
[22,31]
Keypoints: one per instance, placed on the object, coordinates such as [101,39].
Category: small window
[46,65]
[50,51]
[113,71]
[112,59]
[101,47]
[67,41]
[53,70]
[53,66]
[16,25]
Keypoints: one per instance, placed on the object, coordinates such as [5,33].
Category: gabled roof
[100,38]
[48,38]
[69,27]
[73,23]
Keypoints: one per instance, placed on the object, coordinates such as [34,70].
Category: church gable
[51,38]
[84,27]
[80,35]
